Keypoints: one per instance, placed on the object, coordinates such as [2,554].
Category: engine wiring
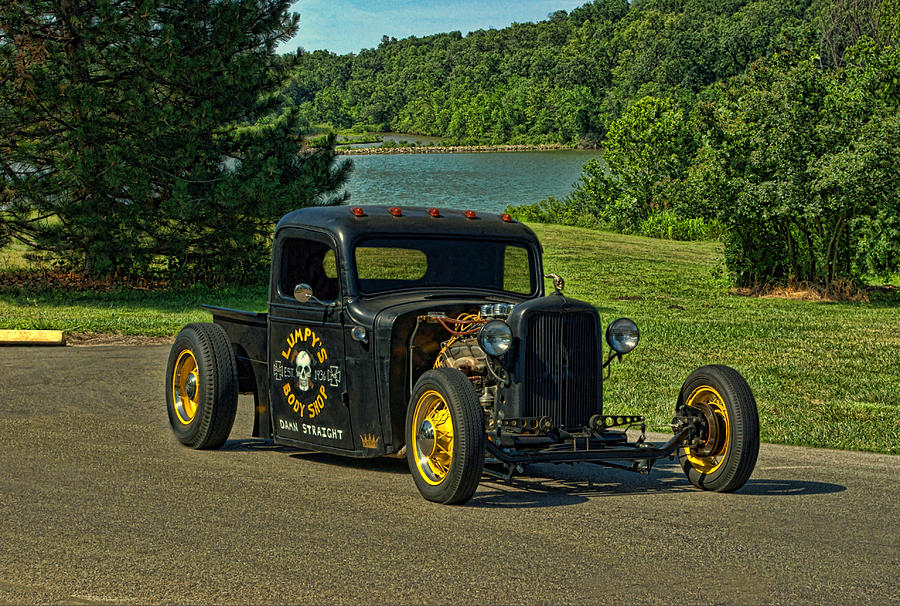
[465,325]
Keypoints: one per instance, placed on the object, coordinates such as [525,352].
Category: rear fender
[253,379]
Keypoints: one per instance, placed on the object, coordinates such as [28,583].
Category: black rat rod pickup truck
[426,332]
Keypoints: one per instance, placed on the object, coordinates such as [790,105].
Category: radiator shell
[555,361]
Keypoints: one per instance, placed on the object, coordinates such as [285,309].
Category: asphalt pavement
[100,504]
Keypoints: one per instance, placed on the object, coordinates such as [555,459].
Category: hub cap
[425,439]
[190,386]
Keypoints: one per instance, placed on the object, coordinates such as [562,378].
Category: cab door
[306,344]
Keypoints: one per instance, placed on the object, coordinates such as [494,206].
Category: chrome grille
[561,367]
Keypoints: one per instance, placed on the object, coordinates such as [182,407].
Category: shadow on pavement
[523,499]
[254,444]
[787,488]
[382,464]
[544,486]
[547,485]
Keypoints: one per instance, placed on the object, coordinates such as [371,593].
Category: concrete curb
[32,337]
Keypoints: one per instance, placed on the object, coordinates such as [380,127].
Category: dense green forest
[561,80]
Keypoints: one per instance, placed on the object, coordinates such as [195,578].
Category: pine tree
[138,134]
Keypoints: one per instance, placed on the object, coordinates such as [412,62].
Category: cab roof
[349,222]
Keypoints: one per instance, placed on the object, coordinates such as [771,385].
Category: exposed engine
[462,351]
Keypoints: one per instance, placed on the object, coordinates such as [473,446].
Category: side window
[330,263]
[308,262]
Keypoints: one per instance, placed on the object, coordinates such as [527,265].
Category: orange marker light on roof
[395,210]
[358,212]
[470,214]
[506,218]
[434,212]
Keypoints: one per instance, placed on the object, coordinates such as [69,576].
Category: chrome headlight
[622,335]
[495,337]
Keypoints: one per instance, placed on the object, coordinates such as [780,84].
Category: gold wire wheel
[432,437]
[709,456]
[185,386]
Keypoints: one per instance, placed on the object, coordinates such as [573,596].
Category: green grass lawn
[824,374]
[12,257]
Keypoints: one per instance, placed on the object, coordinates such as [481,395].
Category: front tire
[201,386]
[445,438]
[724,462]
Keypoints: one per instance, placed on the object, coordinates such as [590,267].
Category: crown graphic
[369,440]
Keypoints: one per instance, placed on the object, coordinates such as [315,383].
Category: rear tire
[201,386]
[724,463]
[445,438]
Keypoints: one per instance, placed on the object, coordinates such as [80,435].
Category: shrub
[645,160]
[553,210]
[801,166]
[666,224]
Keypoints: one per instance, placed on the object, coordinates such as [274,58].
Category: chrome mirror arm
[304,293]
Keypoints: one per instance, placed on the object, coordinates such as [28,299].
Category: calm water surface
[481,181]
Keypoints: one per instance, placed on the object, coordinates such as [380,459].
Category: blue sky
[346,26]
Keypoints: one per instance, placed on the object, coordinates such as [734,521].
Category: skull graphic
[303,370]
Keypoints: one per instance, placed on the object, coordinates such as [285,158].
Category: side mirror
[303,293]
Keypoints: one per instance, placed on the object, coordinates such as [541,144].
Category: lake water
[479,181]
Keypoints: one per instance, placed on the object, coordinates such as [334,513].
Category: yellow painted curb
[32,337]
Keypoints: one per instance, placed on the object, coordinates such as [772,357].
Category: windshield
[384,264]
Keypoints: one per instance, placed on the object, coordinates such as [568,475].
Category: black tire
[723,463]
[441,478]
[201,386]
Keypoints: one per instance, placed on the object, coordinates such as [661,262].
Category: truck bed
[245,329]
[247,332]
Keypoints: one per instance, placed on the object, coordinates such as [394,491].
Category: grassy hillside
[824,373]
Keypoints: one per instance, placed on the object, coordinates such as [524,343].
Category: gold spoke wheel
[186,386]
[432,438]
[709,456]
[445,438]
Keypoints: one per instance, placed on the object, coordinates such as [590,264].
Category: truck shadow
[383,464]
[546,485]
[784,488]
[551,486]
[254,444]
[380,464]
